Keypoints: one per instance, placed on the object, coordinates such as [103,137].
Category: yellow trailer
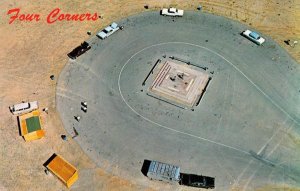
[66,172]
[30,126]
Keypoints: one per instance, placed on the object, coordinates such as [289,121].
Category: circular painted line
[163,126]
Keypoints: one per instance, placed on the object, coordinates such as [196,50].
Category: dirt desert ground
[32,51]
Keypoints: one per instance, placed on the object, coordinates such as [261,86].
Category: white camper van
[25,107]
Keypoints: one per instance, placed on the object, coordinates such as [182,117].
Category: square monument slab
[179,83]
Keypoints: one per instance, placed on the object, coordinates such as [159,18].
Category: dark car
[197,181]
[79,50]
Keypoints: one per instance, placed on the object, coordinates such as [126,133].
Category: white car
[253,36]
[172,12]
[24,107]
[109,30]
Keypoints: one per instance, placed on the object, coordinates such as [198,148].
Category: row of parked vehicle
[251,35]
[156,170]
[173,12]
[106,32]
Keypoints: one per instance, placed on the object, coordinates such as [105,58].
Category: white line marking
[220,164]
[268,155]
[162,126]
[259,152]
[191,135]
[65,96]
[87,68]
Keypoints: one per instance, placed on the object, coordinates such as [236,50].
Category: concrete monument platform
[179,83]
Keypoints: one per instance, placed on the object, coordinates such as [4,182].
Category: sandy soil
[32,51]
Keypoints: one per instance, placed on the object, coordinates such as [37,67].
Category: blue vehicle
[253,36]
[109,30]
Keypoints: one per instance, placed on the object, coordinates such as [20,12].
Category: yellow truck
[66,172]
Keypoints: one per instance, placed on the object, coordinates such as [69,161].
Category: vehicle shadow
[19,126]
[49,160]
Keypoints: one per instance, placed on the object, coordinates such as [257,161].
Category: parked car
[197,181]
[172,12]
[25,107]
[253,36]
[79,50]
[109,30]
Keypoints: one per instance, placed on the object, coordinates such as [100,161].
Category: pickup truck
[109,30]
[172,12]
[197,181]
[79,50]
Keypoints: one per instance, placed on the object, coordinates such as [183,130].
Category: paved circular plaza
[243,130]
